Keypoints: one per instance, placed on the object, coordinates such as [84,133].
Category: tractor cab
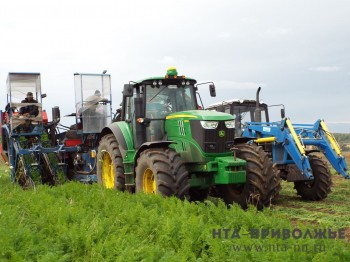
[243,111]
[92,102]
[23,113]
[148,102]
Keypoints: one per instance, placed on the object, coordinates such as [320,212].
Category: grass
[333,212]
[77,222]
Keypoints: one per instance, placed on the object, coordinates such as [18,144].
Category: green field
[343,141]
[77,222]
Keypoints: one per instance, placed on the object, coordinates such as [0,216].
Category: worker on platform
[30,110]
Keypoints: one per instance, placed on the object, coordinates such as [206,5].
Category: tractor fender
[122,134]
[154,144]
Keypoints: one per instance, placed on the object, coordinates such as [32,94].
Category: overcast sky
[298,51]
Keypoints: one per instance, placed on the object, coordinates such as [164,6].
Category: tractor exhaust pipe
[257,117]
[56,115]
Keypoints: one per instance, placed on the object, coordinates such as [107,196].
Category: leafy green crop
[78,222]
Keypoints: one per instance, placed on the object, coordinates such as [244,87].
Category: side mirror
[283,113]
[128,90]
[212,90]
[43,95]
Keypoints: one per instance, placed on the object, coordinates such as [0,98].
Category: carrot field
[78,222]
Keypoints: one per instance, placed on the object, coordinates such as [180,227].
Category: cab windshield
[165,99]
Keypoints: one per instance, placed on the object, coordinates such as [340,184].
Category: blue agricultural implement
[26,133]
[296,149]
[93,111]
[35,149]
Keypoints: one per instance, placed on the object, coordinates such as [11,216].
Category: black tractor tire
[162,171]
[198,194]
[110,168]
[262,180]
[318,188]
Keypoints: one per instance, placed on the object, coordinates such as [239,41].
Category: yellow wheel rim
[107,171]
[149,182]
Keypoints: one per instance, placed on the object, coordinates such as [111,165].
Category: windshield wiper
[157,94]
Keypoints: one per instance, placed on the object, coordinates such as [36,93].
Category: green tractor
[162,144]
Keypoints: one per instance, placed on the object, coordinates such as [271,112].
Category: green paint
[127,133]
[171,71]
[230,171]
[205,169]
[202,115]
[202,180]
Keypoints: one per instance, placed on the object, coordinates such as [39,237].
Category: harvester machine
[93,111]
[25,134]
[296,149]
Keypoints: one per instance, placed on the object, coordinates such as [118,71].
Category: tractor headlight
[230,124]
[209,124]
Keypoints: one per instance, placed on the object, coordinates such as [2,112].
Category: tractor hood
[201,115]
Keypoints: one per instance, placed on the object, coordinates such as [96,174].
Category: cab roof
[170,76]
[235,102]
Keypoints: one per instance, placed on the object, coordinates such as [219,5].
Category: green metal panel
[178,129]
[202,180]
[126,138]
[230,171]
[200,115]
[223,170]
[127,133]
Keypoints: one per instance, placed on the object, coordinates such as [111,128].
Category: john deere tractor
[164,145]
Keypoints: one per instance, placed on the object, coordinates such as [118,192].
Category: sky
[297,51]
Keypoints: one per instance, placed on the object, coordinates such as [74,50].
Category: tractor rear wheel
[318,188]
[262,180]
[162,171]
[110,168]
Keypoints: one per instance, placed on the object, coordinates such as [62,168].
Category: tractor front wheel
[262,180]
[162,171]
[110,168]
[318,188]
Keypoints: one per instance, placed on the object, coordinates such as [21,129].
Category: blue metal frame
[285,150]
[15,140]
